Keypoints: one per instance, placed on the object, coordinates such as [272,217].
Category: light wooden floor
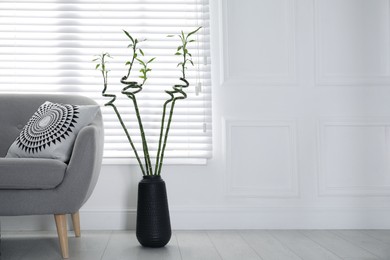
[204,245]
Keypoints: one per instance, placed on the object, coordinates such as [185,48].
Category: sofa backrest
[17,109]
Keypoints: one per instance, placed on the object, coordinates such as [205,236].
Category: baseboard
[196,218]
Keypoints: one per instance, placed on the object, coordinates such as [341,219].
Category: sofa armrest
[84,166]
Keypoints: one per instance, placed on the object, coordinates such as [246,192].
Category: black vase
[153,223]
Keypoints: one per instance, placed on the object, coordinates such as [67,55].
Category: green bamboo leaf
[189,54]
[130,45]
[192,41]
[191,62]
[179,48]
[141,61]
[96,59]
[97,66]
[128,35]
[128,63]
[191,33]
[178,53]
[152,59]
[141,52]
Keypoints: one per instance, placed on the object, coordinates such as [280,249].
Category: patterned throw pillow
[51,131]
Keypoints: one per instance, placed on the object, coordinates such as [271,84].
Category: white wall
[301,118]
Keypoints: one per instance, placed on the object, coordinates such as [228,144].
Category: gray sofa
[47,186]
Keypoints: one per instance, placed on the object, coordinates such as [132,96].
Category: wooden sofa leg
[76,223]
[62,232]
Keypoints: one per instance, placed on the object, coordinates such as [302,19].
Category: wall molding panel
[354,158]
[348,50]
[268,70]
[270,172]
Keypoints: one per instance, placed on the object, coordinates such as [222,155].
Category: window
[47,46]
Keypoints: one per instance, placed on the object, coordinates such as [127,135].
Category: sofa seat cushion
[30,174]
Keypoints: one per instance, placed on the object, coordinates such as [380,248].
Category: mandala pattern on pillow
[51,131]
[52,123]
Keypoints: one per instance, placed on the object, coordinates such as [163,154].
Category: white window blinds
[47,46]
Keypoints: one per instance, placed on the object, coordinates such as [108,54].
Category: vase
[153,222]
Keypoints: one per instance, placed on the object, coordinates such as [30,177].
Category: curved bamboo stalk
[131,95]
[176,89]
[162,128]
[111,103]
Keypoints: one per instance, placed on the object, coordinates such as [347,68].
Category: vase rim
[152,176]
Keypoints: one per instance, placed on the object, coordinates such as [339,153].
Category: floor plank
[303,246]
[359,258]
[195,245]
[45,246]
[124,245]
[382,235]
[266,246]
[338,245]
[204,245]
[90,246]
[369,243]
[231,246]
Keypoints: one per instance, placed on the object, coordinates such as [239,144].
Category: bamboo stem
[144,143]
[162,130]
[128,137]
[131,95]
[177,89]
[111,103]
[166,137]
